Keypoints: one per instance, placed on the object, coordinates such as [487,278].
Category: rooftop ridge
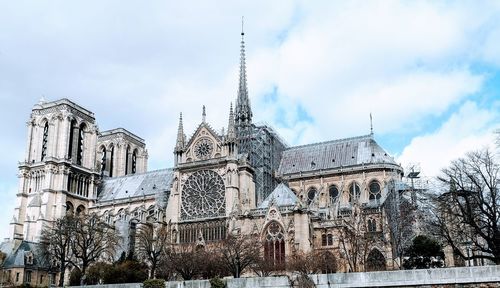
[45,105]
[139,174]
[121,130]
[331,141]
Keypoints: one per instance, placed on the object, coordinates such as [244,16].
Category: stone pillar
[29,141]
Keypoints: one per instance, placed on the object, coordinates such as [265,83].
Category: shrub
[154,283]
[216,282]
[75,277]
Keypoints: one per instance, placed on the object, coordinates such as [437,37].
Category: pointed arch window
[103,159]
[274,244]
[127,162]
[372,225]
[79,153]
[71,143]
[375,193]
[45,140]
[134,161]
[333,193]
[354,192]
[310,195]
[111,160]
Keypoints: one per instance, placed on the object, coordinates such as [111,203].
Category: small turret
[180,143]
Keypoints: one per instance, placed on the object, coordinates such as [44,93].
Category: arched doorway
[375,261]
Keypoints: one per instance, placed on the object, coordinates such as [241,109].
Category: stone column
[29,141]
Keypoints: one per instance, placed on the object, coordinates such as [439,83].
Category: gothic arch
[353,191]
[80,210]
[273,237]
[374,189]
[375,261]
[135,154]
[69,208]
[312,193]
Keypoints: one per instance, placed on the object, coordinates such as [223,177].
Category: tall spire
[231,132]
[180,136]
[204,115]
[243,108]
[371,125]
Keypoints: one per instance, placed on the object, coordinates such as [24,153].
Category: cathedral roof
[136,185]
[340,153]
[282,195]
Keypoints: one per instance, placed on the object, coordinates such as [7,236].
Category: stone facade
[242,181]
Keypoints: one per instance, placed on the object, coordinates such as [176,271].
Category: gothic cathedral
[244,180]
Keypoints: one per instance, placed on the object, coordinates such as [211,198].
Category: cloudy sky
[429,72]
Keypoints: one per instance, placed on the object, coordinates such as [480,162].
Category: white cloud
[470,128]
[138,65]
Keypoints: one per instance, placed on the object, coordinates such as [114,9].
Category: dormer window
[29,258]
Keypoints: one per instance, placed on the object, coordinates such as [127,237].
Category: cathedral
[243,180]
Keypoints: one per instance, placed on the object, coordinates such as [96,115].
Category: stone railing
[442,277]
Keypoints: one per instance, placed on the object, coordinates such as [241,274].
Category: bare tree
[239,252]
[151,243]
[264,268]
[185,259]
[401,216]
[92,240]
[355,244]
[56,244]
[3,256]
[467,212]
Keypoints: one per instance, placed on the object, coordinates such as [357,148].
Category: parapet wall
[485,276]
[401,278]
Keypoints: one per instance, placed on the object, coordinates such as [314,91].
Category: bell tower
[58,174]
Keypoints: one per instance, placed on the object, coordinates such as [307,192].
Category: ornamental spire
[231,132]
[243,108]
[180,136]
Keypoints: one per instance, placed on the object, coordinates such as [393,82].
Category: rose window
[203,196]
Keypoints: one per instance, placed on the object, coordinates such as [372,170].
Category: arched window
[127,162]
[310,195]
[134,161]
[45,140]
[274,244]
[375,261]
[354,192]
[111,160]
[375,193]
[334,194]
[372,225]
[69,208]
[103,159]
[327,239]
[79,152]
[80,210]
[71,142]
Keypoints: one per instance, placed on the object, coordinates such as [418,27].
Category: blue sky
[428,71]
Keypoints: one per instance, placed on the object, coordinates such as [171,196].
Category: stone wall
[489,276]
[485,276]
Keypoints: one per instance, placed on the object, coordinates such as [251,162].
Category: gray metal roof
[333,154]
[282,195]
[16,254]
[136,185]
